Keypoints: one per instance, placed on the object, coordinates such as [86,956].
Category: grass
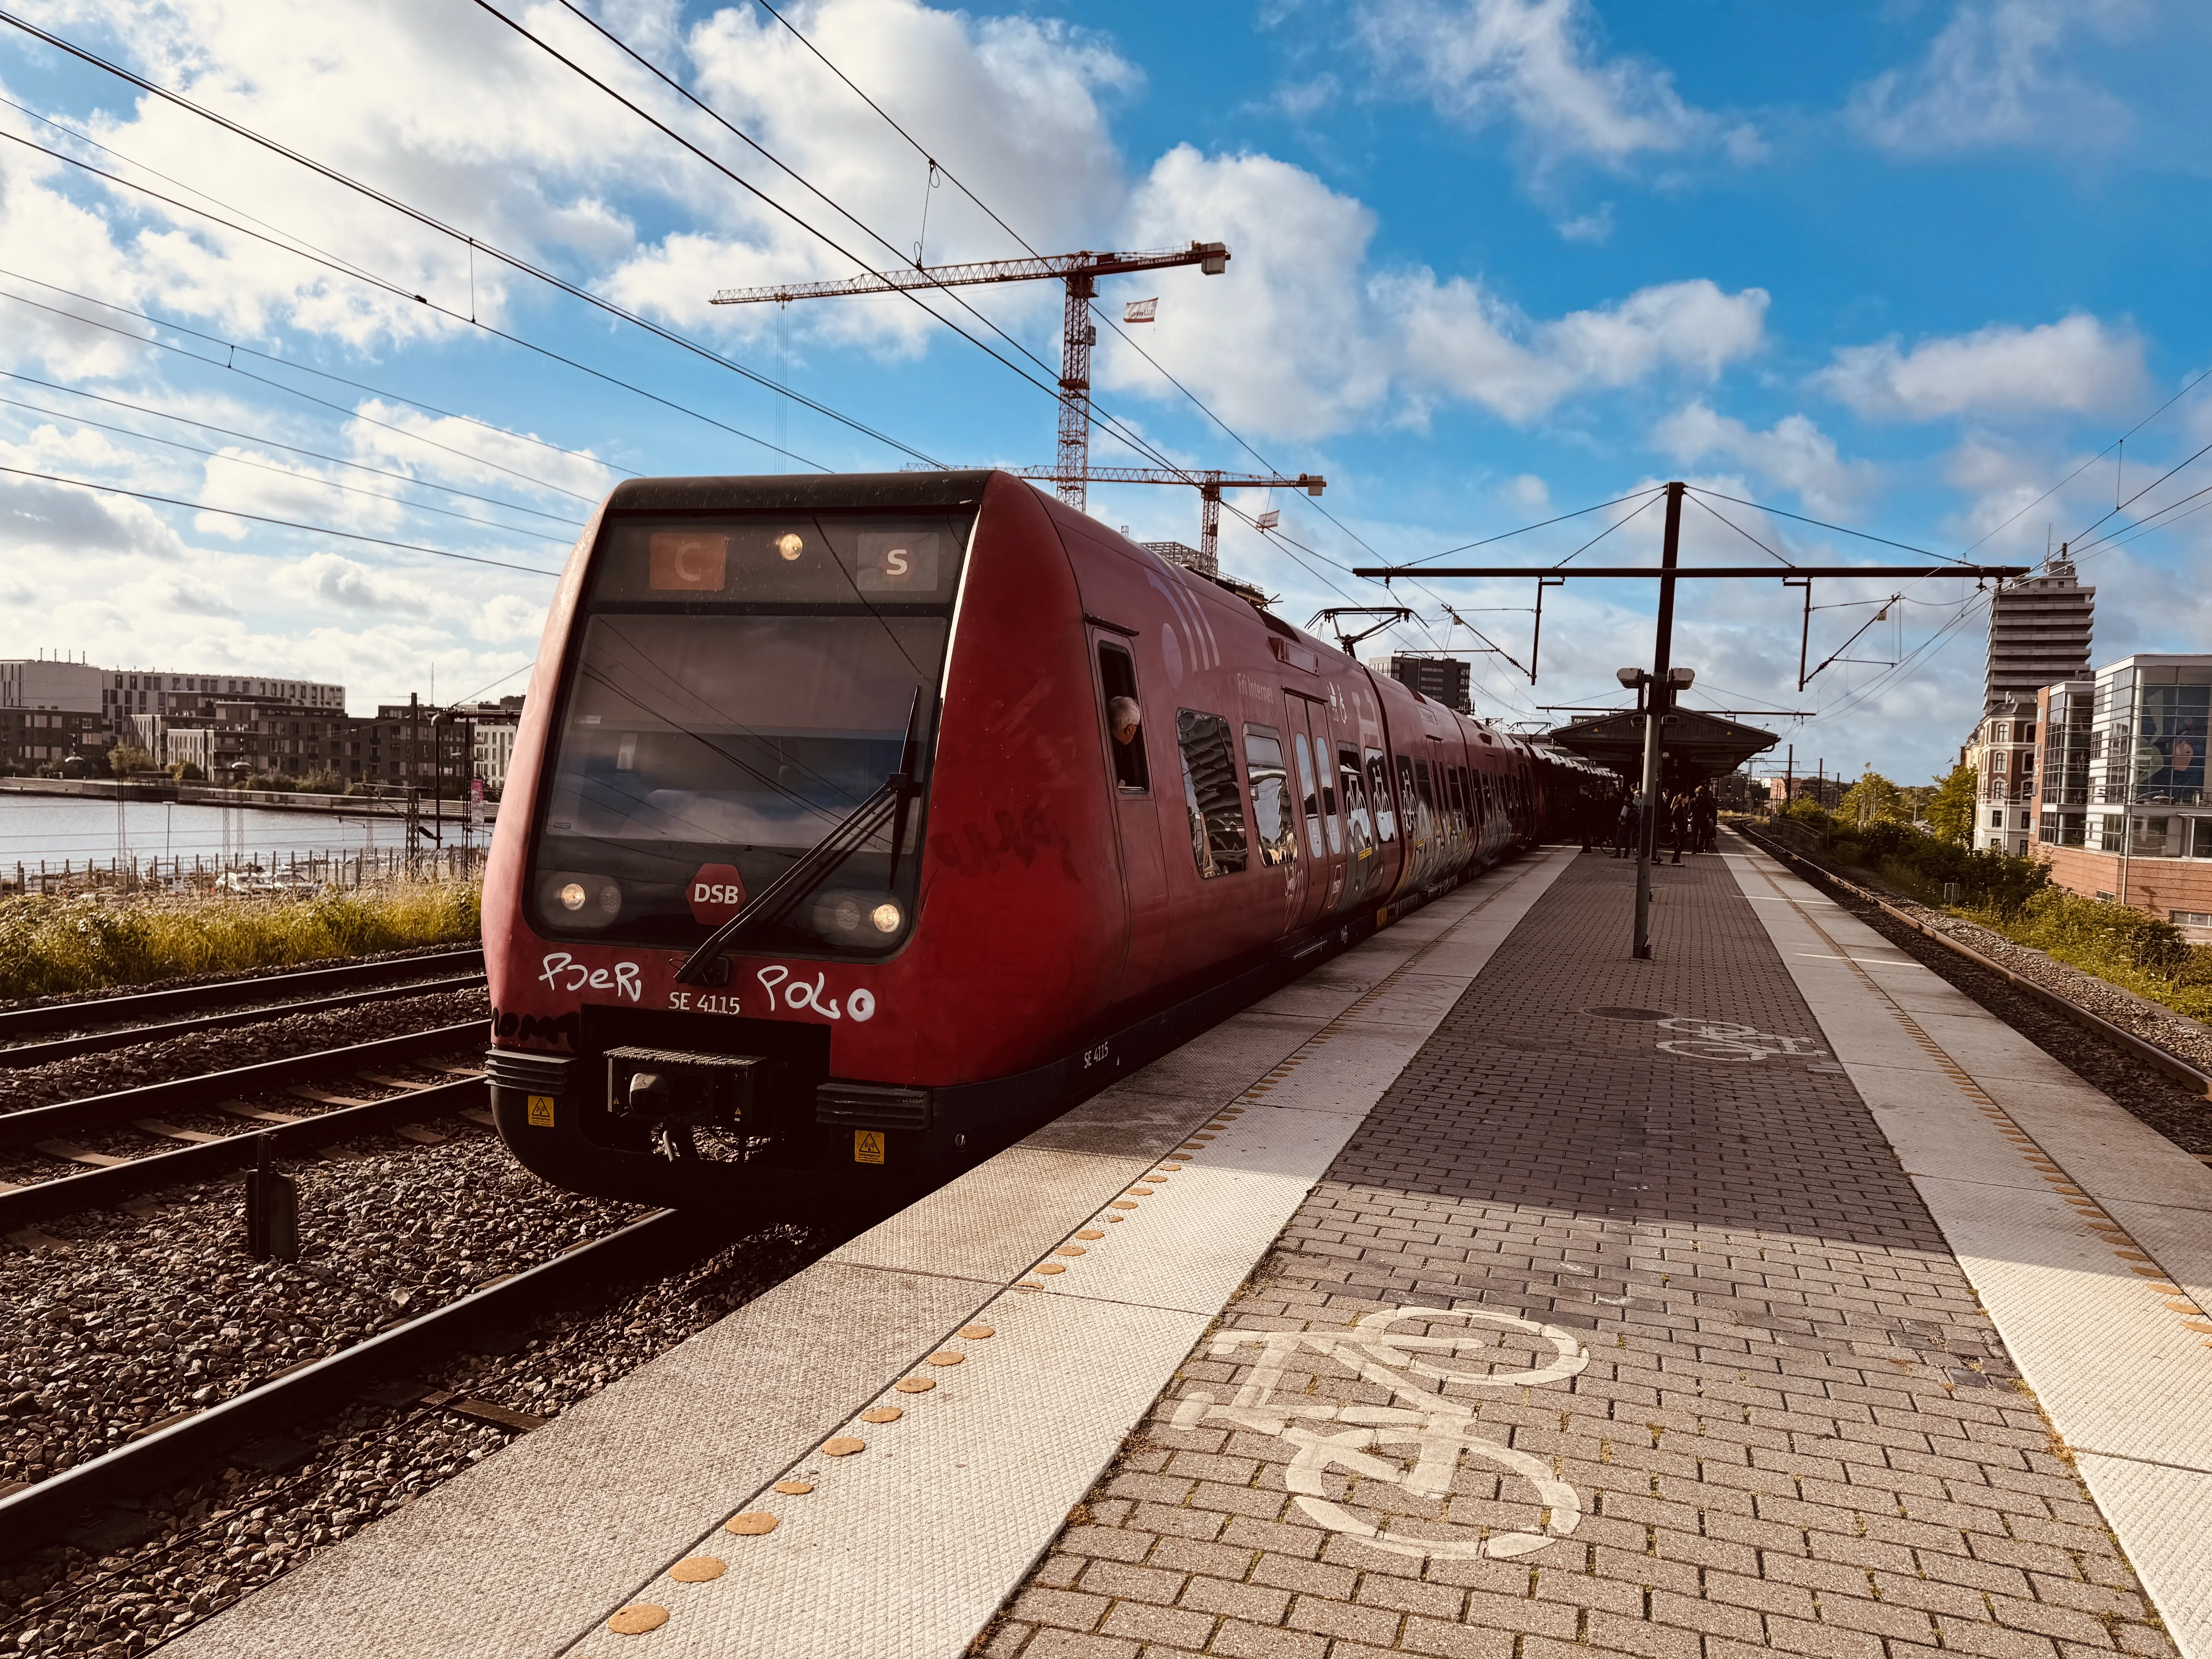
[2116,942]
[55,946]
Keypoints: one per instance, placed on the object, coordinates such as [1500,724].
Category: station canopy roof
[1694,746]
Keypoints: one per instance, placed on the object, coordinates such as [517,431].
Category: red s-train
[857,822]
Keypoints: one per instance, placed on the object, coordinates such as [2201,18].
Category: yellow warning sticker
[541,1111]
[867,1145]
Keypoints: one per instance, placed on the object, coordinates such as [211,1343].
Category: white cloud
[1301,338]
[1796,455]
[331,579]
[1012,106]
[1535,63]
[1527,491]
[2076,363]
[2001,72]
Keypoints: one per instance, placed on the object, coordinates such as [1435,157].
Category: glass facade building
[2123,760]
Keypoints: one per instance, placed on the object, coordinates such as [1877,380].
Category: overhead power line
[430,221]
[287,524]
[281,472]
[399,292]
[305,397]
[235,347]
[273,443]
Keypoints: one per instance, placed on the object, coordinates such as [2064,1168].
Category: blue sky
[1901,268]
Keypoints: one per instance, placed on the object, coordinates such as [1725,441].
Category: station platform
[1484,1293]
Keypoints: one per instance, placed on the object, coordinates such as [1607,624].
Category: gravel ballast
[130,1320]
[196,1053]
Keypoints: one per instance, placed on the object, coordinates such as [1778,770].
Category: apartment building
[2122,812]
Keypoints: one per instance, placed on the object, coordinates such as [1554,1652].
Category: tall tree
[1951,809]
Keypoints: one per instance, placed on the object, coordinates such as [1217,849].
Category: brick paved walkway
[1734,1393]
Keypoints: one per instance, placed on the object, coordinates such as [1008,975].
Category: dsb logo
[717,893]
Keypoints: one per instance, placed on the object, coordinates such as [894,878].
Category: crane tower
[1079,271]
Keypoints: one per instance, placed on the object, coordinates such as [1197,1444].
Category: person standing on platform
[1625,826]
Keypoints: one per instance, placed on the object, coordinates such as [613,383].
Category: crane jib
[1214,256]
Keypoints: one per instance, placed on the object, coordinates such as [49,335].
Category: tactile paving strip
[2114,1344]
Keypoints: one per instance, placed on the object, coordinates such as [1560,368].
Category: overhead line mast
[1081,272]
[1211,483]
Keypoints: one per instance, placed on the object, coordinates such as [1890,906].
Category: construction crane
[1210,483]
[1080,271]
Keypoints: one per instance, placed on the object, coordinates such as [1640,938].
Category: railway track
[34,1515]
[96,1026]
[195,1154]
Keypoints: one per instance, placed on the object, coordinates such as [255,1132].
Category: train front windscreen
[741,687]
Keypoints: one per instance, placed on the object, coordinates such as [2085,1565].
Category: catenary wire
[1049,388]
[430,221]
[287,524]
[400,291]
[283,472]
[305,397]
[233,348]
[296,449]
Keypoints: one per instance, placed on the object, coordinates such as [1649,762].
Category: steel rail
[60,1016]
[39,1054]
[36,1514]
[24,1207]
[210,1088]
[2141,1047]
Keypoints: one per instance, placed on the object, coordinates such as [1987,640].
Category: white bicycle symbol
[1721,1039]
[1438,1428]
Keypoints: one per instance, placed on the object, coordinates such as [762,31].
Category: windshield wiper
[888,805]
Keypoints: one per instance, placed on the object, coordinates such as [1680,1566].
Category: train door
[1136,813]
[1307,720]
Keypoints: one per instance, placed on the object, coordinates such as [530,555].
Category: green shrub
[2135,950]
[51,946]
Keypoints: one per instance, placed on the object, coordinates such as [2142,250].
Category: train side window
[1423,787]
[1117,677]
[1409,803]
[1361,826]
[1310,789]
[1210,791]
[1378,786]
[1271,795]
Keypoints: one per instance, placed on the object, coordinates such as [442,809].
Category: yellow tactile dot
[1093,1232]
[946,1358]
[698,1568]
[1069,1249]
[1139,1192]
[882,1415]
[1125,1203]
[1117,1218]
[794,1488]
[1050,1267]
[1199,1137]
[753,1524]
[1179,1157]
[1198,1145]
[977,1333]
[843,1446]
[637,1619]
[914,1384]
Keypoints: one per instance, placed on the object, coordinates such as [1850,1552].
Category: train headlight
[886,918]
[790,546]
[845,917]
[577,898]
